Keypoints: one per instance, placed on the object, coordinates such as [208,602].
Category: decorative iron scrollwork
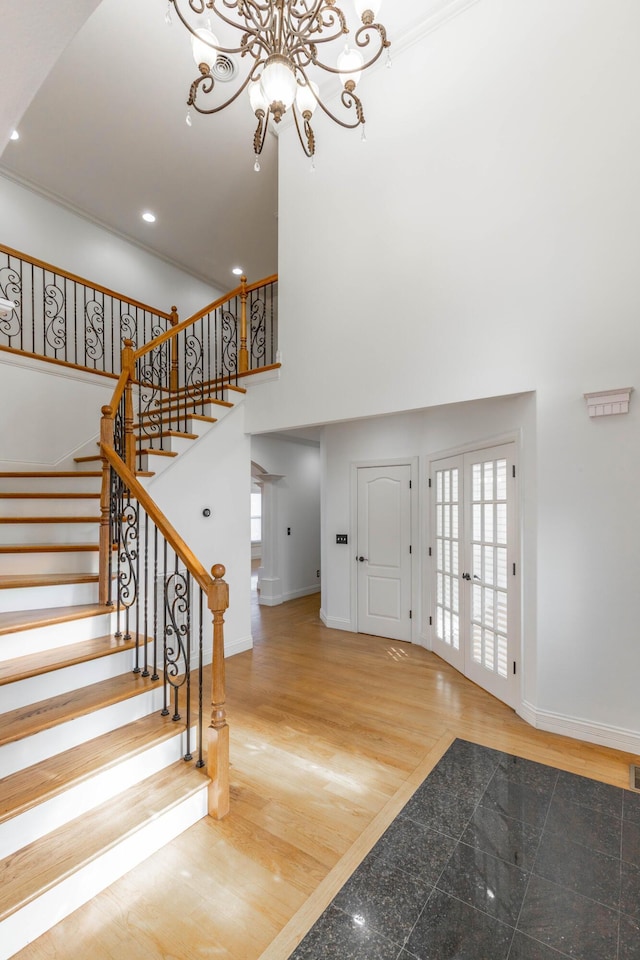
[94,330]
[229,342]
[128,328]
[11,289]
[55,320]
[194,360]
[177,629]
[128,554]
[258,330]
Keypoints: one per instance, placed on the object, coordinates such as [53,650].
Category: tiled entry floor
[494,858]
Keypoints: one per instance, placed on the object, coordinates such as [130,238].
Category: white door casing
[475,584]
[383,545]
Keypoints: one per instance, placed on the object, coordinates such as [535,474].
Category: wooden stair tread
[10,581]
[29,787]
[200,416]
[15,620]
[54,519]
[35,717]
[36,868]
[49,496]
[143,438]
[9,474]
[158,453]
[183,407]
[48,547]
[35,664]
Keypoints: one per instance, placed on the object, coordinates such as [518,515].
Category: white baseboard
[617,738]
[304,592]
[336,623]
[238,646]
[270,601]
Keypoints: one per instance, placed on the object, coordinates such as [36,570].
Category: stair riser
[49,507]
[199,426]
[81,561]
[13,696]
[40,598]
[20,533]
[155,464]
[25,925]
[25,642]
[75,484]
[104,785]
[173,444]
[25,753]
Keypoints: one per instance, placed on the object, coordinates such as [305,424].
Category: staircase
[93,779]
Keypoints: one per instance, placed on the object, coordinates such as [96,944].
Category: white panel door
[475,618]
[384,551]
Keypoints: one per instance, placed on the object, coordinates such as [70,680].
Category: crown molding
[442,12]
[66,204]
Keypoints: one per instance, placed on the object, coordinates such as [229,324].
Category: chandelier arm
[351,102]
[315,21]
[243,48]
[308,142]
[261,131]
[299,39]
[206,83]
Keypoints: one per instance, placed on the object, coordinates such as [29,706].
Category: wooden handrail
[85,283]
[154,513]
[210,308]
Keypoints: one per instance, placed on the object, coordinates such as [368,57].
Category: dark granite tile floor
[494,858]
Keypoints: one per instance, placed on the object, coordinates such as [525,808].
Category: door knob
[363,559]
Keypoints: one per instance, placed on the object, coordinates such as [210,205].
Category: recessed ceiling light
[149,217]
[15,135]
[238,271]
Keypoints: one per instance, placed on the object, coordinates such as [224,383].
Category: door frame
[416,565]
[472,446]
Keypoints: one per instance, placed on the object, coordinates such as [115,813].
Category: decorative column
[269,580]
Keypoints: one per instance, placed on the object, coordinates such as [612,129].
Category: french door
[475,609]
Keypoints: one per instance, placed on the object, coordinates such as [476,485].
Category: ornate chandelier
[281,42]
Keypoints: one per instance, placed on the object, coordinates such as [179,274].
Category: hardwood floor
[330,734]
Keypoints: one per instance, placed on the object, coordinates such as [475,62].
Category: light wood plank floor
[330,734]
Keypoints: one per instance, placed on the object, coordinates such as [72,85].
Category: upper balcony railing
[68,319]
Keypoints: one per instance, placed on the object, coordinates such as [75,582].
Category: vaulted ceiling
[106,135]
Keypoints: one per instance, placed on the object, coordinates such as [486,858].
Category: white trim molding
[606,403]
[617,738]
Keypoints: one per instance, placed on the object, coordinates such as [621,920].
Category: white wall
[48,413]
[298,510]
[47,231]
[483,243]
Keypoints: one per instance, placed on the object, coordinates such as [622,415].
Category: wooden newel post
[243,360]
[128,363]
[106,438]
[218,733]
[173,374]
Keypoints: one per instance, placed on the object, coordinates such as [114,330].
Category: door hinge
[429,551]
[410,484]
[430,621]
[513,471]
[410,549]
[514,569]
[514,668]
[429,481]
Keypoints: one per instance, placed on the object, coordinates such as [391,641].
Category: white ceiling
[106,134]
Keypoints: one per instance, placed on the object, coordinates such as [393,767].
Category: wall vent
[634,777]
